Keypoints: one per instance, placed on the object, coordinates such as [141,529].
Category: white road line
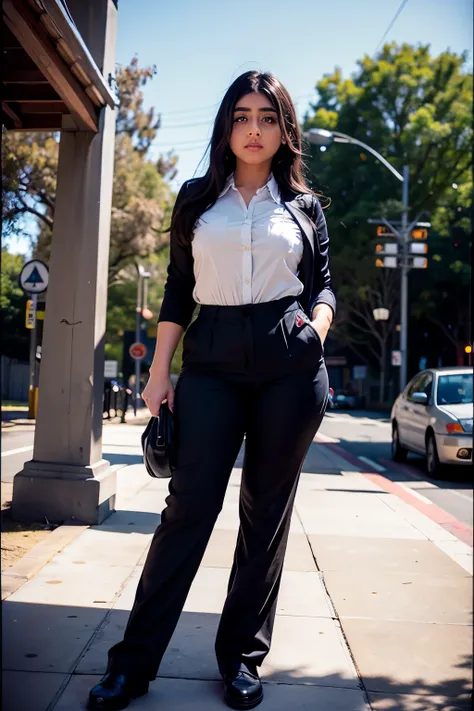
[415,493]
[17,451]
[373,464]
[326,438]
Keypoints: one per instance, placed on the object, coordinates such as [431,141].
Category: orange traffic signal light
[420,233]
[384,231]
[468,349]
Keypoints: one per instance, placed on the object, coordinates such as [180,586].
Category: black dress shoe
[242,689]
[115,691]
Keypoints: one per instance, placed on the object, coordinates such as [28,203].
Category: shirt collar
[271,184]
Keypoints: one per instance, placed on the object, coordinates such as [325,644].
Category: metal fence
[15,379]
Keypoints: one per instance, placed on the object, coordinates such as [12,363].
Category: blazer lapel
[302,220]
[306,268]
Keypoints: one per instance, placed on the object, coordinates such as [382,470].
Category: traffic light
[468,349]
[384,231]
[420,233]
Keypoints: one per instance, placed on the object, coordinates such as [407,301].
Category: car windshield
[454,389]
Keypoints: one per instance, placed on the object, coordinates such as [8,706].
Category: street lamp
[142,276]
[322,137]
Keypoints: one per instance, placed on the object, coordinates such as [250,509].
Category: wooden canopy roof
[47,69]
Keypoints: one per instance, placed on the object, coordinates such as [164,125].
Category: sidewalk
[374,610]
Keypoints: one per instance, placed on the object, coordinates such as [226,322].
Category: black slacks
[256,370]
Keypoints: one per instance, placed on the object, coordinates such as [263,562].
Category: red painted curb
[431,511]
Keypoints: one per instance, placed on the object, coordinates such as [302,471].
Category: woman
[243,246]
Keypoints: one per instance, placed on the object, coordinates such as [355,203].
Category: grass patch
[18,537]
[13,405]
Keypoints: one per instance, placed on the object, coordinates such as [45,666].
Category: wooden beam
[23,76]
[40,92]
[45,107]
[33,37]
[42,122]
[62,19]
[16,120]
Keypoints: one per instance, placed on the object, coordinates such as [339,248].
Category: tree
[12,303]
[142,200]
[414,109]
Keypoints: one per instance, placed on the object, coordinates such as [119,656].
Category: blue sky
[200,46]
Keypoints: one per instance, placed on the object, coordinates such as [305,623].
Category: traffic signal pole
[32,390]
[404,281]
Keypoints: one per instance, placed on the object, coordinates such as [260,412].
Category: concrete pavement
[374,610]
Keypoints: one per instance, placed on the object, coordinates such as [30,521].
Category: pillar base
[61,492]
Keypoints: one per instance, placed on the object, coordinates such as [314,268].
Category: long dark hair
[287,163]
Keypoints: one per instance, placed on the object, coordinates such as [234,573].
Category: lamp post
[321,137]
[142,276]
[382,314]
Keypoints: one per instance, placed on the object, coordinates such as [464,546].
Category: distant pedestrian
[248,242]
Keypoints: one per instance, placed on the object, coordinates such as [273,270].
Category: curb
[44,551]
[36,558]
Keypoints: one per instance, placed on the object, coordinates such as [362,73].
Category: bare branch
[47,220]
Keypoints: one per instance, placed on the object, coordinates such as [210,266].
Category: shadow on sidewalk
[125,521]
[54,650]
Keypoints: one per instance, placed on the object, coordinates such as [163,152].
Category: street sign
[419,263]
[359,372]
[388,262]
[417,248]
[396,357]
[30,314]
[137,351]
[34,277]
[388,248]
[110,369]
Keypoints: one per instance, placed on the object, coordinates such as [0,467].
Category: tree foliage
[142,199]
[13,303]
[415,110]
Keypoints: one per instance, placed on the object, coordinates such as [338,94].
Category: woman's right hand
[158,388]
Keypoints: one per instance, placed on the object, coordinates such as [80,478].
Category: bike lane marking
[431,510]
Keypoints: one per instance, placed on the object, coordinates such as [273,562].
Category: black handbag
[158,444]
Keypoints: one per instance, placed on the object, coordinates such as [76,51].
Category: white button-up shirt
[246,255]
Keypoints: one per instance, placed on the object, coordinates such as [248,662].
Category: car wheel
[399,453]
[433,464]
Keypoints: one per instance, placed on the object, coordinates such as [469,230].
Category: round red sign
[137,351]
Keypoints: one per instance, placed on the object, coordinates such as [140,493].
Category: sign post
[137,351]
[33,280]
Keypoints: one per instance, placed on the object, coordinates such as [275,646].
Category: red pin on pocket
[299,320]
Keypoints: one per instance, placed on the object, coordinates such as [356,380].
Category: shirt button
[246,281]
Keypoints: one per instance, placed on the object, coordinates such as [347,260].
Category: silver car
[433,416]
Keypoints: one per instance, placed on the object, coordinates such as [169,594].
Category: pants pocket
[301,341]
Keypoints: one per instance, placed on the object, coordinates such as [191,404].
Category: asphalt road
[364,435]
[367,436]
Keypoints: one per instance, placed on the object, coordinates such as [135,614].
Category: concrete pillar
[67,477]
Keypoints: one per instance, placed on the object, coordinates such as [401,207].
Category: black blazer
[178,302]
